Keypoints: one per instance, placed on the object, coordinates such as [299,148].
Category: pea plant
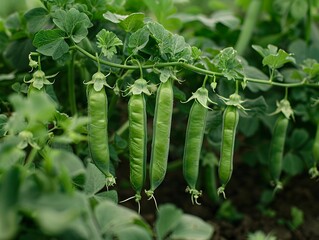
[89,84]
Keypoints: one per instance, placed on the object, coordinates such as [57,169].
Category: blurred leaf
[256,107]
[3,122]
[95,180]
[9,193]
[168,218]
[10,154]
[297,216]
[292,164]
[298,138]
[37,19]
[133,233]
[192,228]
[129,23]
[299,9]
[110,195]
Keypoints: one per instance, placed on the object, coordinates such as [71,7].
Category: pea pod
[161,135]
[193,141]
[230,122]
[277,148]
[97,127]
[313,171]
[138,135]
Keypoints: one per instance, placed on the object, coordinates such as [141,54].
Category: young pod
[277,149]
[97,130]
[161,135]
[225,169]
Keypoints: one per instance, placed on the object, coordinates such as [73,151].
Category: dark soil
[244,191]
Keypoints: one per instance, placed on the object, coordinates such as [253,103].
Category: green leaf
[277,60]
[3,121]
[292,164]
[37,19]
[228,62]
[168,218]
[74,23]
[51,43]
[138,40]
[257,107]
[9,193]
[129,23]
[112,218]
[108,41]
[133,233]
[192,228]
[297,216]
[299,138]
[9,153]
[62,158]
[95,180]
[299,9]
[110,195]
[17,53]
[252,72]
[311,67]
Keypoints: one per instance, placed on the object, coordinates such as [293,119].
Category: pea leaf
[9,193]
[108,41]
[129,23]
[74,23]
[228,62]
[51,43]
[167,219]
[138,40]
[192,228]
[311,67]
[37,19]
[95,180]
[292,164]
[277,60]
[299,9]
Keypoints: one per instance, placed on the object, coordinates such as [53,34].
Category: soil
[244,192]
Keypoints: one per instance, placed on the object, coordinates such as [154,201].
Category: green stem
[248,26]
[308,23]
[205,80]
[120,131]
[71,85]
[193,69]
[31,157]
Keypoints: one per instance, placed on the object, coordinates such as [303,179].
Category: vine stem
[71,85]
[194,69]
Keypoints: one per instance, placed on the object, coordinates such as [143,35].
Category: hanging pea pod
[161,135]
[313,171]
[278,141]
[98,125]
[277,149]
[137,136]
[194,139]
[229,128]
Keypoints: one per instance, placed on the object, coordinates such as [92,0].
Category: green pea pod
[230,122]
[137,142]
[277,149]
[161,135]
[193,144]
[97,131]
[313,171]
